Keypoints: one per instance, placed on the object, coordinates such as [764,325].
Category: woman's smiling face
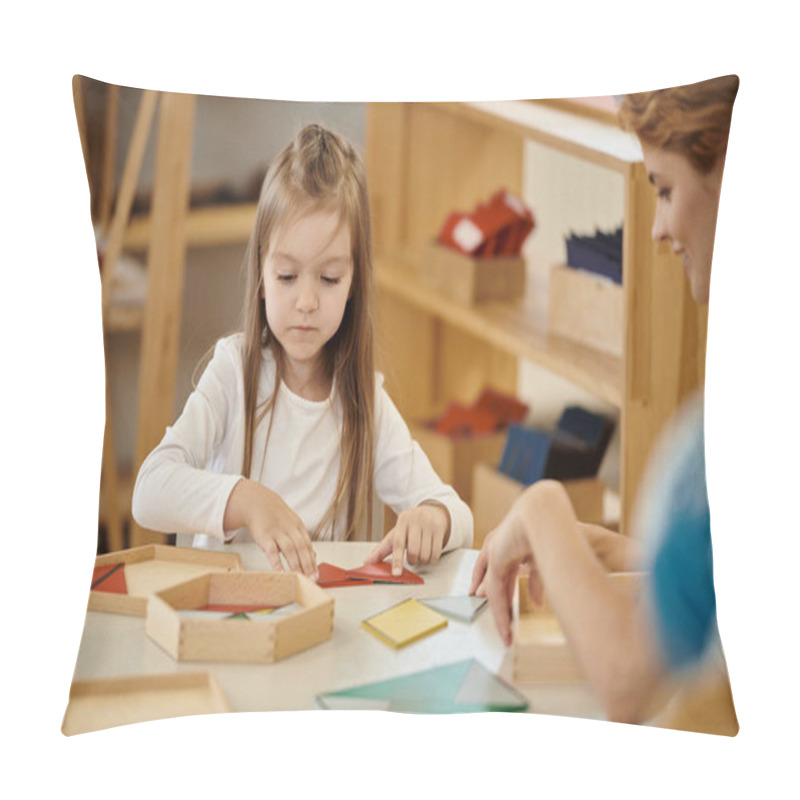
[686,212]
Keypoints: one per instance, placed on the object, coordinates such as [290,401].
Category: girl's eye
[330,281]
[285,277]
[664,193]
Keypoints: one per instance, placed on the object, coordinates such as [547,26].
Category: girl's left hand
[420,533]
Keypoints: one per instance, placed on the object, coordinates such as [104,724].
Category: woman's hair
[319,170]
[692,120]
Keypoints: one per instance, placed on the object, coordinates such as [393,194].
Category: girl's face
[686,212]
[308,272]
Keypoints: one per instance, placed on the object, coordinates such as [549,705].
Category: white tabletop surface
[115,645]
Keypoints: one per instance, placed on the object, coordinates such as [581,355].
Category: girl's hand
[420,533]
[273,526]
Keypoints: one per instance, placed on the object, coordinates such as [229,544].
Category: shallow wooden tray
[587,308]
[240,640]
[469,280]
[106,703]
[153,567]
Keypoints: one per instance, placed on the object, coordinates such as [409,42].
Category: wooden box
[470,280]
[108,702]
[587,308]
[541,653]
[494,493]
[454,457]
[262,640]
[153,567]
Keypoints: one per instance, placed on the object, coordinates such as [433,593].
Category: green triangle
[464,686]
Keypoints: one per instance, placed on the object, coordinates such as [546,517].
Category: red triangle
[109,578]
[330,576]
[382,571]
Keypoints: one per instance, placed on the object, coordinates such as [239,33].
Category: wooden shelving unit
[205,227]
[516,330]
[425,160]
[161,237]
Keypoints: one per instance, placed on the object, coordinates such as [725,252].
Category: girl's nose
[307,300]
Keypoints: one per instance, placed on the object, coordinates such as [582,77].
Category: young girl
[289,431]
[636,653]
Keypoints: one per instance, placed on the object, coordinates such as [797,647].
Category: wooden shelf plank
[120,319]
[514,329]
[205,226]
[590,139]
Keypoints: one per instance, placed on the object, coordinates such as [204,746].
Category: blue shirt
[678,535]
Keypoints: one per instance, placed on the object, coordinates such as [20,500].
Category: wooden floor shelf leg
[166,260]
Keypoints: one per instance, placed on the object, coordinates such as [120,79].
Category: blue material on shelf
[573,450]
[585,436]
[525,454]
[601,253]
[585,425]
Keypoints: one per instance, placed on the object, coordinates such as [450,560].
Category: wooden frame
[165,242]
[156,567]
[108,702]
[261,641]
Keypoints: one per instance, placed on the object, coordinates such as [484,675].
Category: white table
[115,645]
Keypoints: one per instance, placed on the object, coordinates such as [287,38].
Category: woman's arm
[616,552]
[605,625]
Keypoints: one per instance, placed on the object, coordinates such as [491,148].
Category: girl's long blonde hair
[320,170]
[692,120]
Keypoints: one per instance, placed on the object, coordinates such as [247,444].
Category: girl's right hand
[273,526]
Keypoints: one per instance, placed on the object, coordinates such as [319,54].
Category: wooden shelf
[121,319]
[516,329]
[590,139]
[426,159]
[207,226]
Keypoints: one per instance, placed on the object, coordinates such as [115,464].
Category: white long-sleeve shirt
[183,486]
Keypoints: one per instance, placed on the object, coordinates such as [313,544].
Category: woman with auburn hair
[636,650]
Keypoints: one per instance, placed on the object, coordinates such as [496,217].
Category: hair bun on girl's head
[319,159]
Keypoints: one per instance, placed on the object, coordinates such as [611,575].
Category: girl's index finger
[381,550]
[398,551]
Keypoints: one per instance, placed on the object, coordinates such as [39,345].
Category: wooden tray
[153,567]
[261,640]
[106,703]
[469,280]
[587,309]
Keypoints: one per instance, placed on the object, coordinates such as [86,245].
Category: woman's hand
[504,551]
[421,533]
[273,526]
